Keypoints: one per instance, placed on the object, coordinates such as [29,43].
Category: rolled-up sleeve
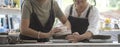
[94,21]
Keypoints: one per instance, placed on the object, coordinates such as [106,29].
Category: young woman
[37,19]
[84,20]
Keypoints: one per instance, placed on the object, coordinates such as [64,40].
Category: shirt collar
[83,14]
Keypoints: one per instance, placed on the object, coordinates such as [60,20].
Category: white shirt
[93,17]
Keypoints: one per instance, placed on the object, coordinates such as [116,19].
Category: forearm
[33,33]
[29,32]
[65,22]
[68,25]
[25,30]
[87,35]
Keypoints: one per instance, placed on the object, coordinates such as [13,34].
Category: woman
[37,19]
[84,20]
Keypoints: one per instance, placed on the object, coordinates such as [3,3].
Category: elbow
[24,26]
[23,30]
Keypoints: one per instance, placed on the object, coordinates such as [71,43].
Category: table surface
[63,45]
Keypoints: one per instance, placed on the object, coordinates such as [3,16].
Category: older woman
[84,20]
[37,19]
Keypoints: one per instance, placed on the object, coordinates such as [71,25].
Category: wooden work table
[63,45]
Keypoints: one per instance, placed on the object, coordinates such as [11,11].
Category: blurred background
[109,12]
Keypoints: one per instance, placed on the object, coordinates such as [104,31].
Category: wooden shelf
[10,11]
[114,30]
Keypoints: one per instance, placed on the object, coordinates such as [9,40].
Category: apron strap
[88,12]
[51,17]
[70,12]
[49,22]
[32,7]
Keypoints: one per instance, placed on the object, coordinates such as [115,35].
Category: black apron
[79,25]
[36,25]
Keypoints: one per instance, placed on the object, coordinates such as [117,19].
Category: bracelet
[38,35]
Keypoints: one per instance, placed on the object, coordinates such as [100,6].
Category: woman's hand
[52,32]
[70,38]
[75,37]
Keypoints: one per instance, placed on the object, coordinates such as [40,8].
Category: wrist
[51,33]
[87,35]
[38,35]
[43,35]
[82,37]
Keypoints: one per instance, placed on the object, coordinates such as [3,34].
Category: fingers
[56,30]
[73,38]
[69,37]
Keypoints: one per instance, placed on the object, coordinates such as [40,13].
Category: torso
[42,11]
[81,14]
[79,24]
